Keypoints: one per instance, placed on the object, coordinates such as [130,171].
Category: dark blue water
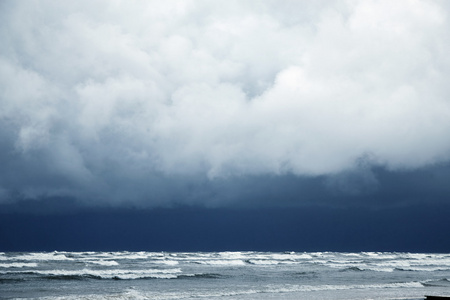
[223,275]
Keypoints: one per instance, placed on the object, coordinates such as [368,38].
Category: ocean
[223,275]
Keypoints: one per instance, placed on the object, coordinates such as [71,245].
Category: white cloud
[113,93]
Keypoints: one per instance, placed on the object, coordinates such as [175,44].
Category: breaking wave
[444,282]
[103,274]
[219,262]
[224,274]
[18,265]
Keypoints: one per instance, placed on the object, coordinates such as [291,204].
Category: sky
[212,112]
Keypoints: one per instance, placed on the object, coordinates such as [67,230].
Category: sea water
[223,275]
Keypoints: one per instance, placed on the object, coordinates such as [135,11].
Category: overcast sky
[155,103]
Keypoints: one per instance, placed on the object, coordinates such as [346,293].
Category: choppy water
[223,275]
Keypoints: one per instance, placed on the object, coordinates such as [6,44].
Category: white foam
[3,258]
[103,262]
[111,274]
[226,293]
[219,262]
[302,256]
[233,255]
[311,288]
[130,255]
[351,254]
[432,262]
[377,269]
[162,259]
[129,294]
[271,262]
[281,257]
[19,265]
[114,255]
[263,262]
[425,269]
[277,256]
[155,254]
[383,262]
[169,262]
[40,256]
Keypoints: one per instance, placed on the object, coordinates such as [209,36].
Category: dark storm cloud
[198,103]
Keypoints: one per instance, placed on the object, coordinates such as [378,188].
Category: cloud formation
[130,99]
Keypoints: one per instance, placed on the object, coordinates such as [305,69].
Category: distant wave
[221,262]
[38,256]
[270,262]
[103,262]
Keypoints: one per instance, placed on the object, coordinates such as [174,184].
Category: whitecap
[103,262]
[111,274]
[232,255]
[41,256]
[263,262]
[19,265]
[302,256]
[170,262]
[218,262]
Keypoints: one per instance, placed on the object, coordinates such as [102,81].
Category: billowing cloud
[132,100]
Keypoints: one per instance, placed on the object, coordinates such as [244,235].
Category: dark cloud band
[136,102]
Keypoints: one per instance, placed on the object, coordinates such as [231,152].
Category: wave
[102,262]
[233,254]
[169,262]
[271,262]
[163,261]
[131,256]
[72,277]
[352,269]
[118,275]
[18,265]
[10,280]
[36,256]
[384,259]
[262,262]
[359,267]
[102,274]
[444,282]
[341,262]
[219,262]
[142,276]
[132,293]
[202,275]
[310,288]
[423,269]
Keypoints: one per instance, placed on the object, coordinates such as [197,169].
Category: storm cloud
[176,102]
